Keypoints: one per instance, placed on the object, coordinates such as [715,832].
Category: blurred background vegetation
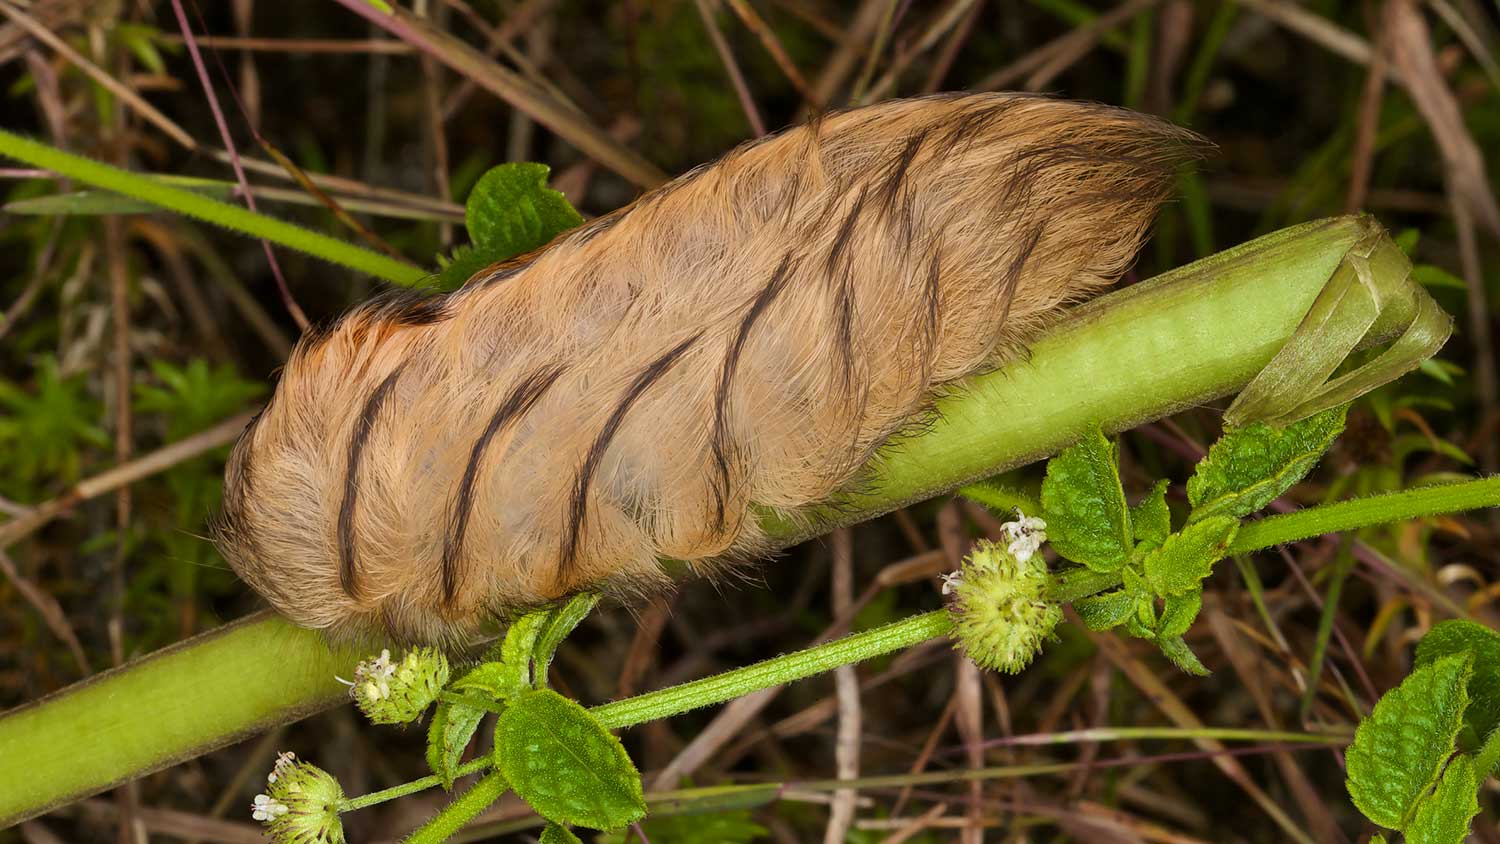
[125,333]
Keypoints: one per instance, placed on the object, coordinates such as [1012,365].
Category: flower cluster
[300,804]
[1001,614]
[389,692]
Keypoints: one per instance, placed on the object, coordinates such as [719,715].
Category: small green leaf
[1103,612]
[511,210]
[1072,584]
[1179,614]
[1443,817]
[1087,518]
[555,834]
[496,679]
[1399,750]
[1488,754]
[1250,466]
[563,763]
[1151,518]
[461,264]
[1188,556]
[453,724]
[560,622]
[1458,636]
[1182,656]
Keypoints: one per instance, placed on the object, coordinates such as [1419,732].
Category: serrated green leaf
[461,264]
[1104,612]
[1188,556]
[555,834]
[1077,582]
[453,725]
[1399,750]
[496,679]
[1151,519]
[560,622]
[1457,636]
[565,765]
[1182,656]
[1088,520]
[1443,817]
[1179,614]
[511,210]
[1249,467]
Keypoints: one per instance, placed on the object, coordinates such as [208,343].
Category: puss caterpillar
[745,335]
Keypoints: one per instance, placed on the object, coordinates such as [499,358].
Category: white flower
[1024,536]
[372,677]
[266,808]
[283,762]
[951,581]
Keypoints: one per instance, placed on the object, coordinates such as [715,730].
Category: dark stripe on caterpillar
[363,425]
[521,399]
[720,440]
[891,189]
[578,505]
[1013,272]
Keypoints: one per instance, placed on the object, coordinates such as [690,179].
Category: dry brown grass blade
[1179,713]
[48,608]
[1046,61]
[1315,28]
[850,717]
[1468,184]
[1246,665]
[99,75]
[956,13]
[514,89]
[121,476]
[767,36]
[726,56]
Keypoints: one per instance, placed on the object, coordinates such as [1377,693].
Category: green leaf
[1182,656]
[1151,519]
[460,265]
[555,834]
[1250,466]
[1103,612]
[1084,506]
[511,210]
[1488,754]
[560,622]
[1443,817]
[1400,748]
[1188,556]
[1076,582]
[563,763]
[496,680]
[453,725]
[1457,636]
[1179,614]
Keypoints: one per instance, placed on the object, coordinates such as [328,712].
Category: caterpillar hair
[742,337]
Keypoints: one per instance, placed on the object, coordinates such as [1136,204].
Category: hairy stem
[455,815]
[161,195]
[1363,512]
[1176,341]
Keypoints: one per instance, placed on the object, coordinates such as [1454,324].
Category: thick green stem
[195,205]
[466,808]
[1177,341]
[775,671]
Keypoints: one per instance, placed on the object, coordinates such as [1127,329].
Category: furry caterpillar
[745,335]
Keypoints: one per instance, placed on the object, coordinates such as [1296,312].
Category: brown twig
[731,67]
[846,745]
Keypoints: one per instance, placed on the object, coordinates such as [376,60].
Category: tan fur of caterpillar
[746,335]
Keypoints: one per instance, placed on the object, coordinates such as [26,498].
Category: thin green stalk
[473,766]
[1341,568]
[455,815]
[774,672]
[195,205]
[1363,512]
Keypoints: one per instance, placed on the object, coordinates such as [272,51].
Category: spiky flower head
[300,804]
[390,692]
[1001,615]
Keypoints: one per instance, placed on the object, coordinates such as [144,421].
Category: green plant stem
[467,807]
[195,205]
[1141,353]
[1363,512]
[473,766]
[775,671]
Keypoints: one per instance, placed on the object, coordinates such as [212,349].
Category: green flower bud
[1001,616]
[300,804]
[398,693]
